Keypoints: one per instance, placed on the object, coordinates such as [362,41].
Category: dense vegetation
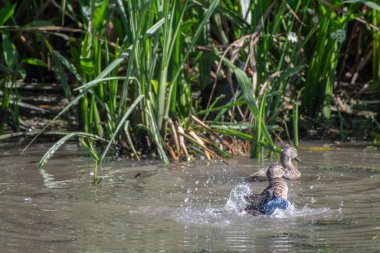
[133,71]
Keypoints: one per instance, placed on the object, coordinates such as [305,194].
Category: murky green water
[185,207]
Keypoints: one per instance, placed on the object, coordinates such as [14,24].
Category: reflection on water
[185,206]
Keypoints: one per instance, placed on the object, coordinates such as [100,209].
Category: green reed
[320,78]
[376,46]
[150,82]
[10,72]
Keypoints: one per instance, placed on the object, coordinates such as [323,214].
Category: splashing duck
[273,197]
[290,171]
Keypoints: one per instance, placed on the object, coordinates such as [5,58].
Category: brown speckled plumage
[277,188]
[291,172]
[289,153]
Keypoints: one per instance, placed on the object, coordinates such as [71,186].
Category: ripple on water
[232,213]
[186,207]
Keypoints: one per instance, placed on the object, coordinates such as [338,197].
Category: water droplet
[236,202]
[28,200]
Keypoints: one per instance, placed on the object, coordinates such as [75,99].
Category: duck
[287,155]
[275,196]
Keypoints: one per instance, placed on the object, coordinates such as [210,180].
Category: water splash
[293,212]
[211,214]
[201,211]
[341,205]
[236,202]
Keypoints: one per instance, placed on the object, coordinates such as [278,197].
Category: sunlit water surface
[187,206]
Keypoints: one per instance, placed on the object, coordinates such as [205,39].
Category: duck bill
[298,160]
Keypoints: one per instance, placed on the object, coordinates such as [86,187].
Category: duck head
[275,171]
[288,154]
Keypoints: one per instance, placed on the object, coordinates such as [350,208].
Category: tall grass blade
[6,13]
[121,123]
[295,124]
[54,149]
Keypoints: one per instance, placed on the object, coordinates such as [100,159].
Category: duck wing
[259,199]
[292,173]
[258,176]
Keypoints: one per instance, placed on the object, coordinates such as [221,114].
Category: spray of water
[236,202]
[198,211]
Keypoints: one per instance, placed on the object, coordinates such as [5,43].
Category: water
[185,207]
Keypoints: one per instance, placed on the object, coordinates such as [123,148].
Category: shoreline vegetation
[127,77]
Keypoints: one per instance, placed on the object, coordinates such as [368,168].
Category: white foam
[232,212]
[292,212]
[236,201]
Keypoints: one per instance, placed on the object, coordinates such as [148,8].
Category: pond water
[187,206]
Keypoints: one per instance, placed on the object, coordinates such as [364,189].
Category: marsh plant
[132,71]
